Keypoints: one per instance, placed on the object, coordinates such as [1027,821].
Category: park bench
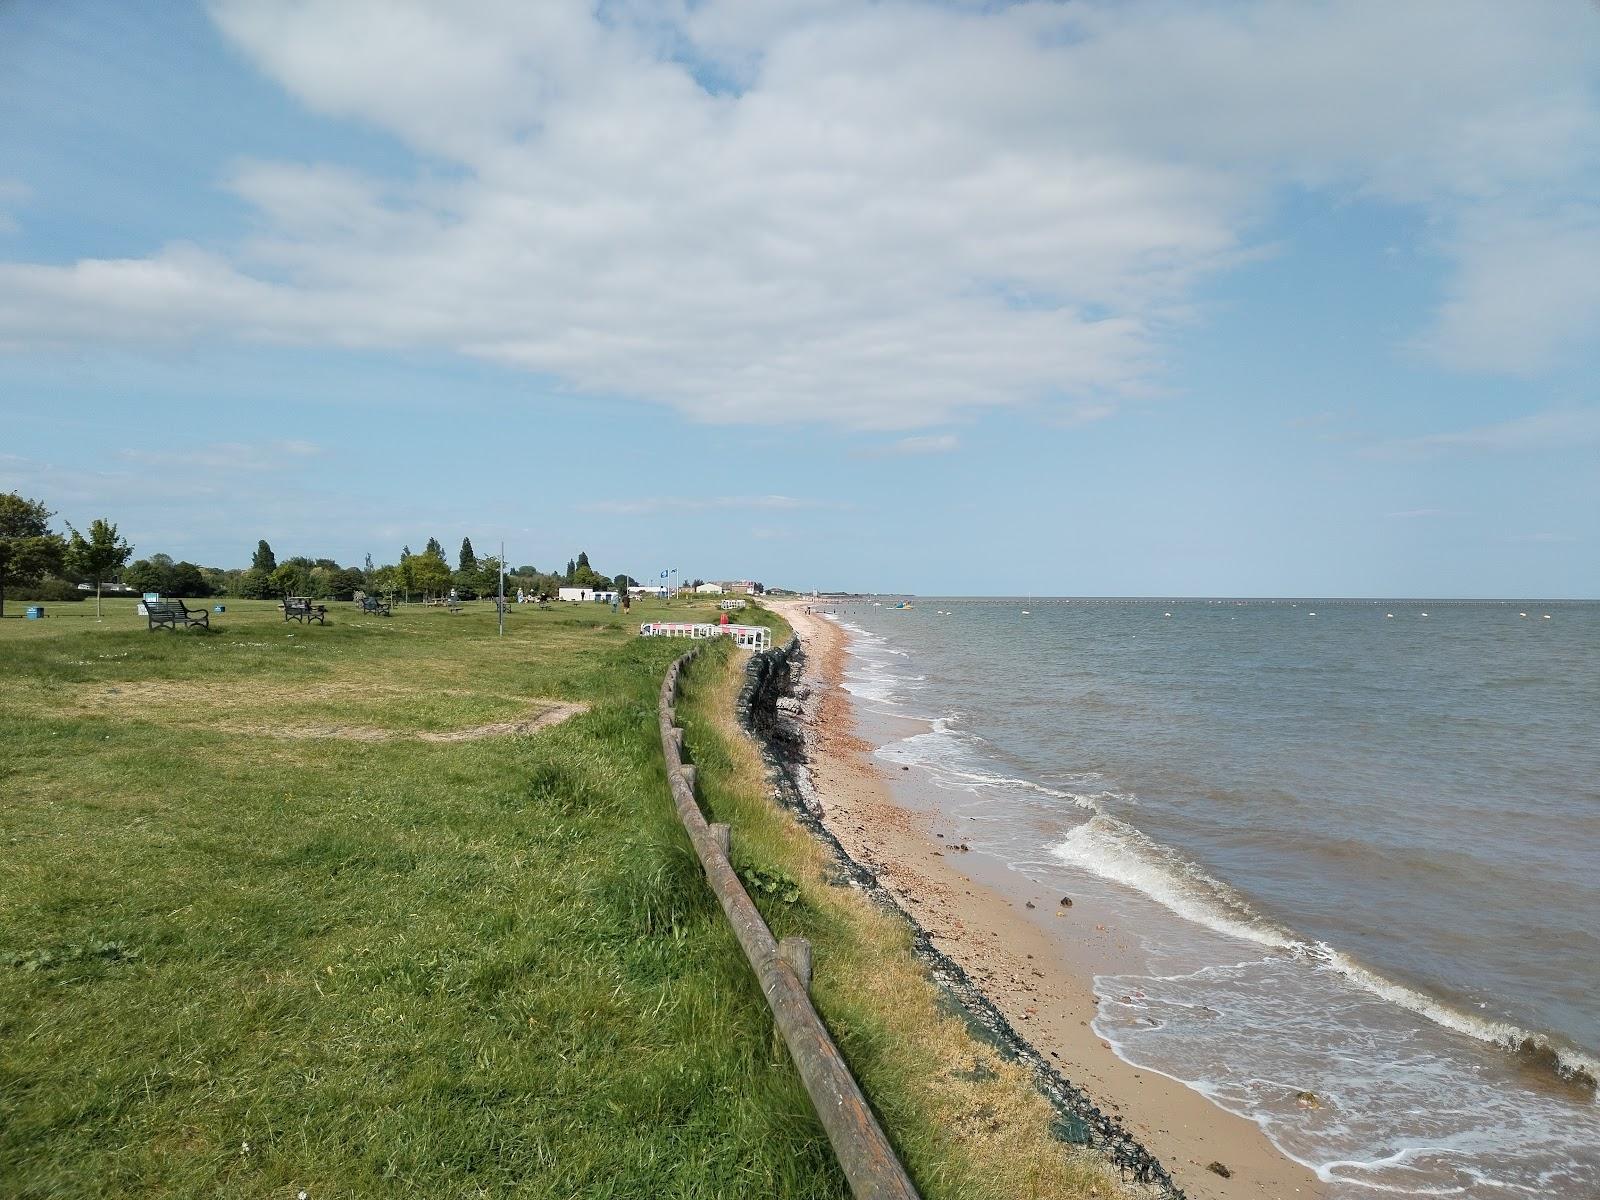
[169,614]
[300,608]
[374,606]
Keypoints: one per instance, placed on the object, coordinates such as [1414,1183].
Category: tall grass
[966,1121]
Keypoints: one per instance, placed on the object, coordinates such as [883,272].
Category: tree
[429,573]
[28,549]
[255,584]
[343,583]
[485,581]
[146,576]
[468,562]
[263,559]
[97,557]
[185,579]
[572,569]
[292,579]
[434,549]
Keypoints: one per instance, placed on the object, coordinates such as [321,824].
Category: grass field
[330,909]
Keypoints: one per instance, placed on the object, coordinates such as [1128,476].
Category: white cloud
[878,216]
[1556,429]
[228,456]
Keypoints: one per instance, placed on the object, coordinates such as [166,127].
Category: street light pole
[502,603]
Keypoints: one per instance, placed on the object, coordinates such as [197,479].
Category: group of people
[527,597]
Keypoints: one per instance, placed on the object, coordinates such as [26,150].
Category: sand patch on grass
[268,708]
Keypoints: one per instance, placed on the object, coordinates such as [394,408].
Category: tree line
[38,563]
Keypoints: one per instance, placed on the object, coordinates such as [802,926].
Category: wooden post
[784,973]
[719,835]
[691,777]
[796,951]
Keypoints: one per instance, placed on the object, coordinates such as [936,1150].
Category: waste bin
[35,612]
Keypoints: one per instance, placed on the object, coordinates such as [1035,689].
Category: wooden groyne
[784,972]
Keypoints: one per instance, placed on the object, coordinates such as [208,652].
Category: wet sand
[1036,964]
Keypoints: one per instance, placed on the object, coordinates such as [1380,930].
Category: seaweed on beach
[780,732]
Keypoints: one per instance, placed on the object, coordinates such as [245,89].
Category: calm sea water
[1361,841]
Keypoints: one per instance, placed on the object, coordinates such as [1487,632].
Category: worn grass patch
[234,965]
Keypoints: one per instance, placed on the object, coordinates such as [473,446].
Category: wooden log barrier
[859,1143]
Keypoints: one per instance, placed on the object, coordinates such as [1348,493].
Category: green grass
[235,964]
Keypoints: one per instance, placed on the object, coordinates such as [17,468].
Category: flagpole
[502,605]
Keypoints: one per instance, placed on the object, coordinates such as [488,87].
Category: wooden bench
[299,608]
[169,614]
[374,606]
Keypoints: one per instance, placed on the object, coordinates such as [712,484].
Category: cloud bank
[873,216]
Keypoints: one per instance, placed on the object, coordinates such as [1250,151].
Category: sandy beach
[1035,957]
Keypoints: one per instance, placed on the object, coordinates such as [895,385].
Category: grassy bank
[966,1122]
[290,908]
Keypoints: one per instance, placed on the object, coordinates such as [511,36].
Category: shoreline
[1035,963]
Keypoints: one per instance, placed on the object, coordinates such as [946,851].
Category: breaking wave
[1115,850]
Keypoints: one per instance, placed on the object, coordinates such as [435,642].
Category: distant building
[659,590]
[710,589]
[583,595]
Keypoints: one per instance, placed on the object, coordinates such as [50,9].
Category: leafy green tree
[263,559]
[255,584]
[97,557]
[292,579]
[434,549]
[486,578]
[385,580]
[28,550]
[146,576]
[345,582]
[468,562]
[185,579]
[572,569]
[430,574]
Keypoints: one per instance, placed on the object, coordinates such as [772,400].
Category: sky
[1088,298]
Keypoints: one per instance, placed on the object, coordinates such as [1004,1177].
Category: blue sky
[1142,298]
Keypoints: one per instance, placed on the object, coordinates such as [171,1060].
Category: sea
[1358,841]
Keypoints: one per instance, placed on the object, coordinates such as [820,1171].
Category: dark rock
[1217,1168]
[1066,902]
